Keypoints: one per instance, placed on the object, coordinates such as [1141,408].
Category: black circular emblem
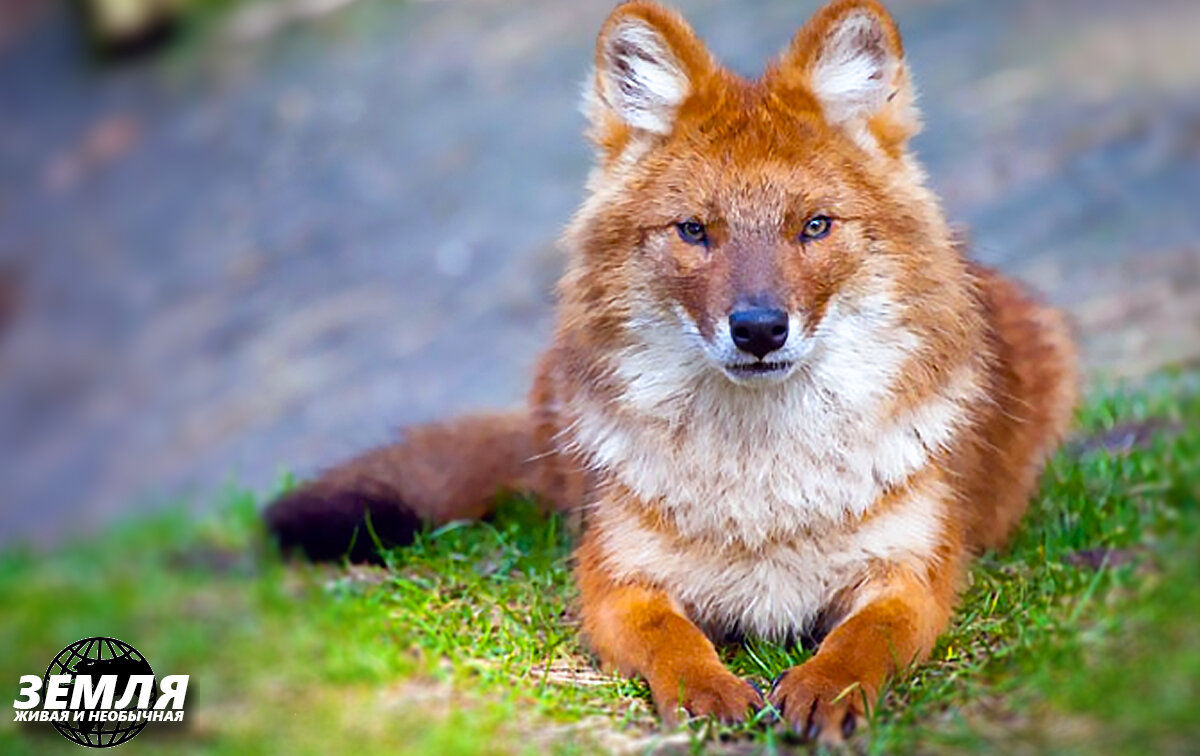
[95,657]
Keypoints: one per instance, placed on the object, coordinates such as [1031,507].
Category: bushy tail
[437,473]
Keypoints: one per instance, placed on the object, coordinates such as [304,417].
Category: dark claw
[814,729]
[848,725]
[778,679]
[771,715]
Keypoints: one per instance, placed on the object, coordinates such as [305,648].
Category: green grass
[1083,637]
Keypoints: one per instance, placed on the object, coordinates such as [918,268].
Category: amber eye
[817,227]
[692,231]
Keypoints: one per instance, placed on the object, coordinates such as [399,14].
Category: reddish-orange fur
[977,380]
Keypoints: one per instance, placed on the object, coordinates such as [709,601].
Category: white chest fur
[759,497]
[777,590]
[764,495]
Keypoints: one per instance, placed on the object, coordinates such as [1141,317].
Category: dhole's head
[757,230]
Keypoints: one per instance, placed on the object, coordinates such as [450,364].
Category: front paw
[821,703]
[716,693]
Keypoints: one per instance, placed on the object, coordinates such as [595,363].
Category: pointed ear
[849,57]
[648,63]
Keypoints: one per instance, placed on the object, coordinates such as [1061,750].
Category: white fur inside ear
[640,79]
[854,73]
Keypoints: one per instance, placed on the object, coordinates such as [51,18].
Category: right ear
[648,63]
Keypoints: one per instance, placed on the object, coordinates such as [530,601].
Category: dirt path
[274,261]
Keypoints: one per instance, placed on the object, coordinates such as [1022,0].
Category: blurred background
[239,238]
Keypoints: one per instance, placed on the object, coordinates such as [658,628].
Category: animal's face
[749,226]
[748,234]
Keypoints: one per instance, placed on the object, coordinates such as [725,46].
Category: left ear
[850,59]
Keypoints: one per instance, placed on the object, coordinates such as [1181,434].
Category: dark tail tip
[330,526]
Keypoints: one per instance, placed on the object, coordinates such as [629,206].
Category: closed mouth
[758,368]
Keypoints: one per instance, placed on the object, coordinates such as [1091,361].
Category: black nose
[759,330]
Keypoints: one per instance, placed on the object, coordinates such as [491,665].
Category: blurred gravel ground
[258,257]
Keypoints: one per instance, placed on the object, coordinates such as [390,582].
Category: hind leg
[1034,391]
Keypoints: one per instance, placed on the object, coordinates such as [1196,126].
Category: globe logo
[100,656]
